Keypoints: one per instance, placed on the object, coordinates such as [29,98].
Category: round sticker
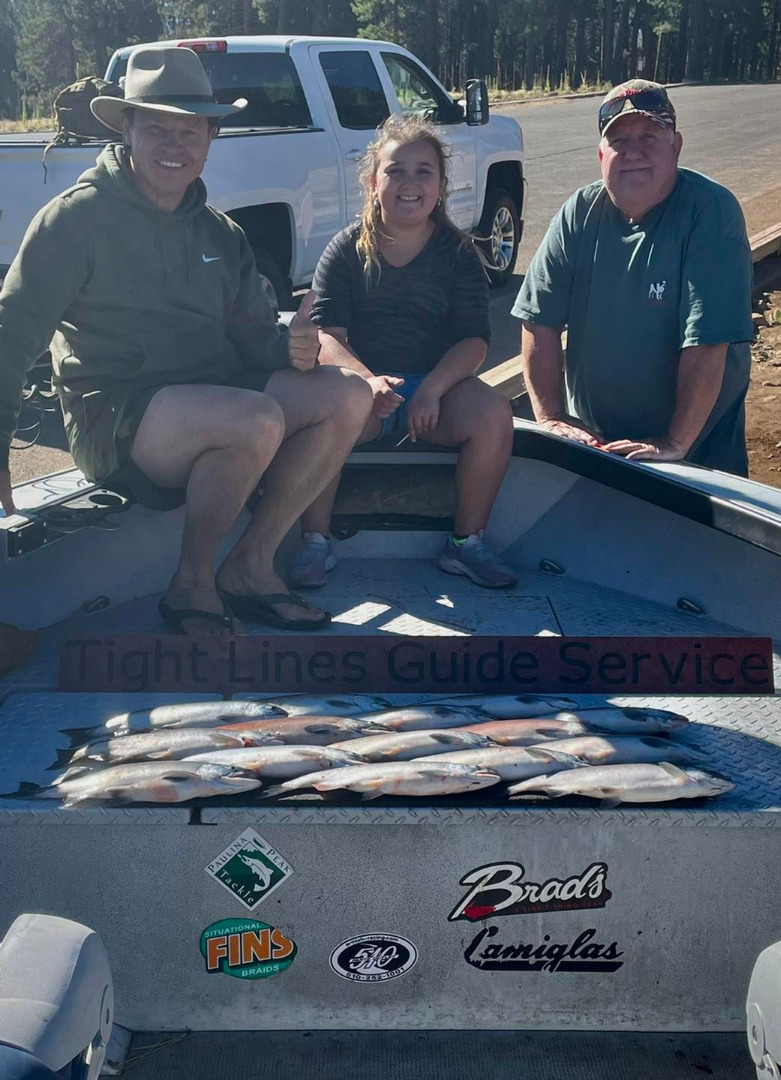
[373,958]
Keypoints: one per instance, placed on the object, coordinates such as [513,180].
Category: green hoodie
[135,298]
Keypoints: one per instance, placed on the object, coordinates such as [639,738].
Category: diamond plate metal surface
[30,725]
[741,737]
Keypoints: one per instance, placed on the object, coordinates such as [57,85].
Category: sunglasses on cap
[651,101]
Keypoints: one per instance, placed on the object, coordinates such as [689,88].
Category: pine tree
[101,26]
[46,59]
[9,97]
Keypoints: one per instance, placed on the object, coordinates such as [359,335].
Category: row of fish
[174,753]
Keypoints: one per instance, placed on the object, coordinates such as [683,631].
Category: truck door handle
[353,155]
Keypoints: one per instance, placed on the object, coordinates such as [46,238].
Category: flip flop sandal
[260,609]
[174,617]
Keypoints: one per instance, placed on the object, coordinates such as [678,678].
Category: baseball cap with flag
[640,96]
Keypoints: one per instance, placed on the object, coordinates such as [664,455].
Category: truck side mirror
[476,102]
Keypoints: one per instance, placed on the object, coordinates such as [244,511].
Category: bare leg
[317,517]
[217,441]
[479,421]
[325,410]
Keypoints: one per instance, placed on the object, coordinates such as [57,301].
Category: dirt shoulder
[763,404]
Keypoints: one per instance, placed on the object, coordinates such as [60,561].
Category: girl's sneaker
[311,562]
[474,560]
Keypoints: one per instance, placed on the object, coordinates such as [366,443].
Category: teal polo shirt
[632,296]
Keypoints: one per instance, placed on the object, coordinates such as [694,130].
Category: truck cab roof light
[203,46]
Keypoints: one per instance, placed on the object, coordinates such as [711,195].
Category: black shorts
[131,481]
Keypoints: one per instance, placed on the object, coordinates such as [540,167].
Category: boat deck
[742,736]
[439,1055]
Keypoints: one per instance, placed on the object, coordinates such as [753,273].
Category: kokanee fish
[330,705]
[509,706]
[630,721]
[404,745]
[147,781]
[170,743]
[183,714]
[628,749]
[627,783]
[280,761]
[309,730]
[511,762]
[528,732]
[419,717]
[413,778]
[583,722]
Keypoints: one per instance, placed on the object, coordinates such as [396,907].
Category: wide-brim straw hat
[164,80]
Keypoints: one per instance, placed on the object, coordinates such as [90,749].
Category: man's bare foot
[238,579]
[199,597]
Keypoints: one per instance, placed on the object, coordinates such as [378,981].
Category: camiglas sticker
[246,949]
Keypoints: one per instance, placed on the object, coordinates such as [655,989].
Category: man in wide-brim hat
[176,383]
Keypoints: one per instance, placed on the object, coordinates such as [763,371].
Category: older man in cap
[649,270]
[176,382]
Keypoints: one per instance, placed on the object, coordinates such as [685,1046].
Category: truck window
[268,80]
[415,91]
[355,87]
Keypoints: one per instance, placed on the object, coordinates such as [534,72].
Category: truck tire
[276,285]
[500,234]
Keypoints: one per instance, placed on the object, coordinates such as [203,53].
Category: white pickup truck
[286,168]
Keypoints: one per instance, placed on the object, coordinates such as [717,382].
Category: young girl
[402,298]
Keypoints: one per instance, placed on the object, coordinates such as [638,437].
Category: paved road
[731,133]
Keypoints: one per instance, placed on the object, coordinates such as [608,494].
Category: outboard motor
[763,1013]
[56,1000]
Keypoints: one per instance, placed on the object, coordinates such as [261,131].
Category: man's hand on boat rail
[657,450]
[569,427]
[6,492]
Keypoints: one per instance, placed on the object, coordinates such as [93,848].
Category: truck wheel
[500,233]
[276,286]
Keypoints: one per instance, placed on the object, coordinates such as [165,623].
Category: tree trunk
[634,34]
[618,66]
[560,53]
[695,66]
[772,44]
[530,58]
[678,54]
[431,42]
[579,73]
[608,23]
[716,52]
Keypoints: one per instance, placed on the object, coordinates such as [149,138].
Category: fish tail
[63,758]
[77,735]
[26,790]
[275,789]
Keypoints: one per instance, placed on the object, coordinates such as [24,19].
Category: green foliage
[529,46]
